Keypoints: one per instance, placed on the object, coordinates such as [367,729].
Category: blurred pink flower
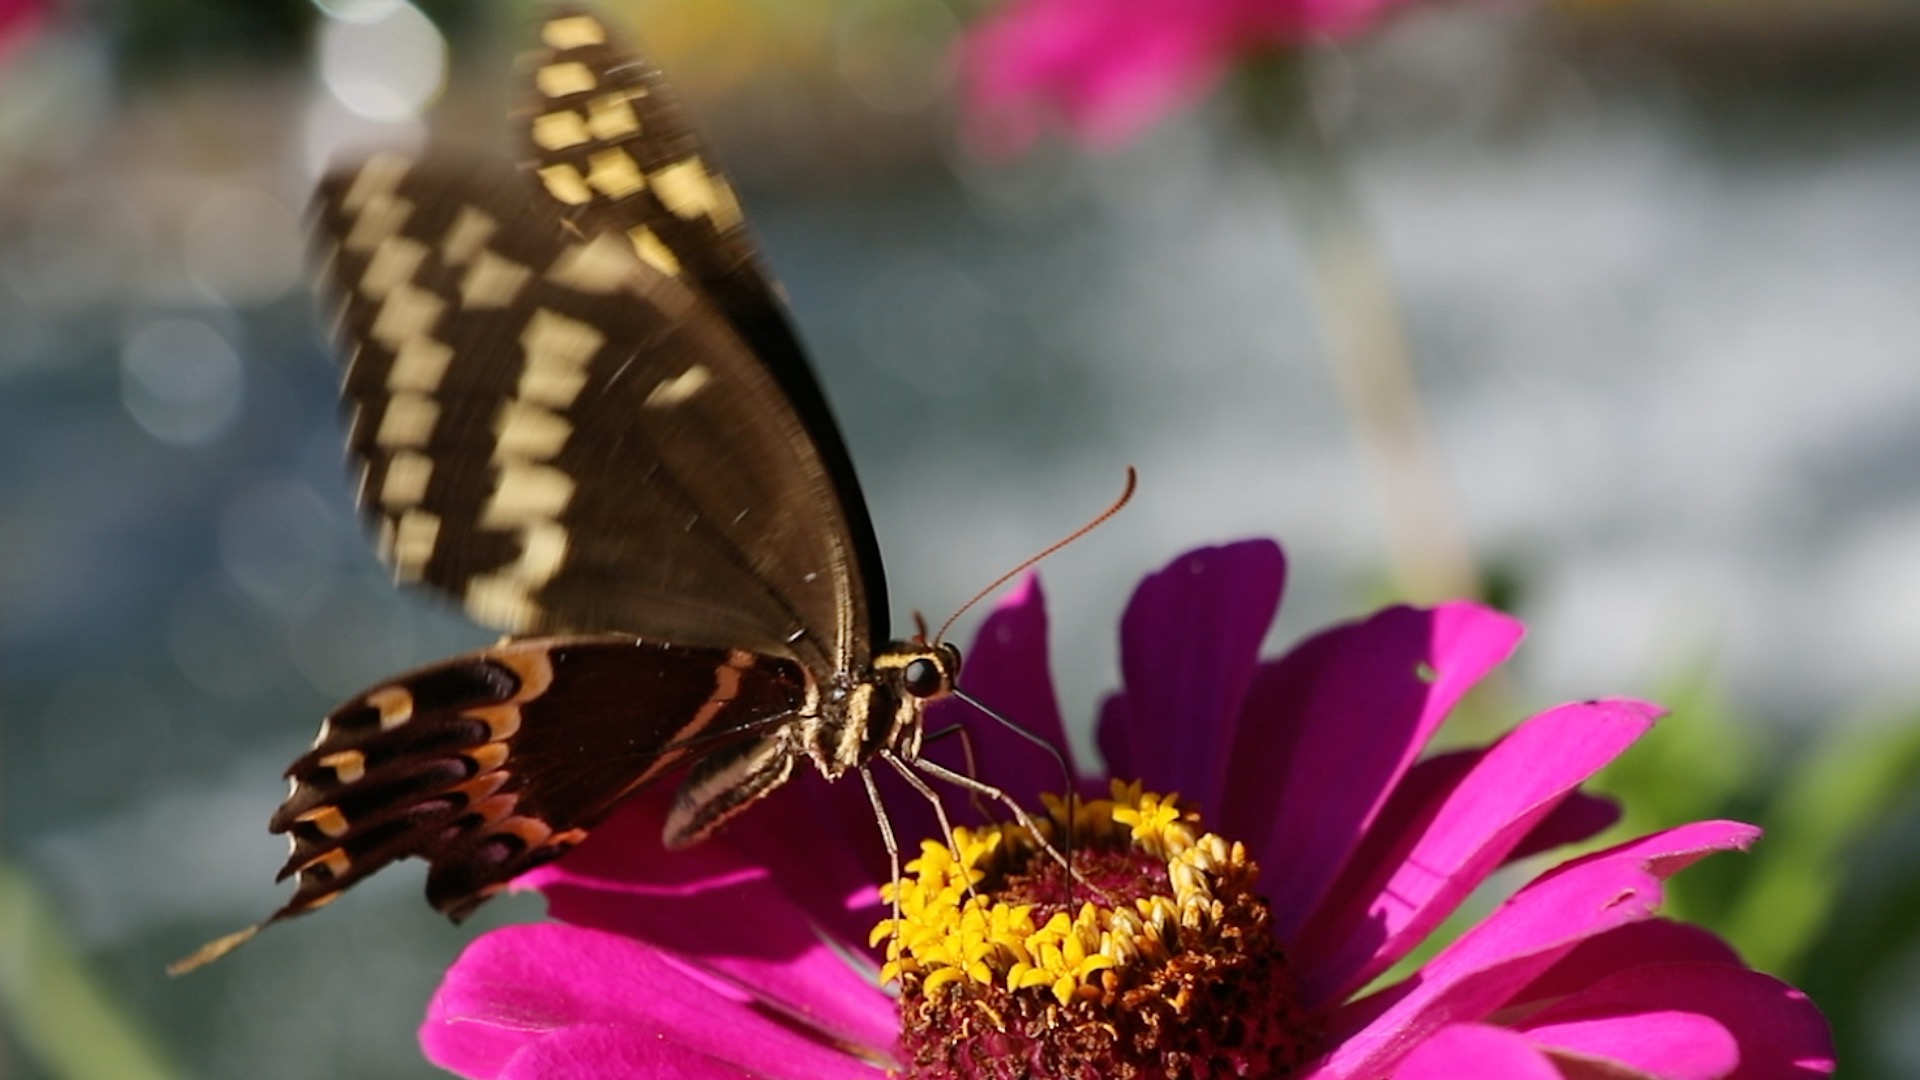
[748,955]
[1109,68]
[19,21]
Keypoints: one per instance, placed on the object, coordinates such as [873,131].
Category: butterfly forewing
[565,439]
[607,138]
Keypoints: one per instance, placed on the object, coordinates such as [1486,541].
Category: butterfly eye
[923,678]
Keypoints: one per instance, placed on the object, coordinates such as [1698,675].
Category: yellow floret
[949,934]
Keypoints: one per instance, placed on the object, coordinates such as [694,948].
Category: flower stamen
[1169,969]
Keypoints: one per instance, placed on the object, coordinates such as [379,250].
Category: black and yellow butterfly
[578,409]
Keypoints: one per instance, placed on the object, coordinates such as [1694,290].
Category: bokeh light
[385,61]
[181,381]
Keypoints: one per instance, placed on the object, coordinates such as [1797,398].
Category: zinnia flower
[1330,835]
[19,21]
[1109,68]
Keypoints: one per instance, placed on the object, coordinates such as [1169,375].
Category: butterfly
[578,409]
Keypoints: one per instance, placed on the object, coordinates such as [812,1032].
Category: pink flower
[747,955]
[19,21]
[1108,68]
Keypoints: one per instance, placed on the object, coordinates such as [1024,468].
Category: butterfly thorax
[883,712]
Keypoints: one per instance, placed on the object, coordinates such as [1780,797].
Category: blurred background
[1657,266]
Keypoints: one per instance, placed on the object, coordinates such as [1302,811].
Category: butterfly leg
[966,750]
[932,796]
[893,846]
[982,788]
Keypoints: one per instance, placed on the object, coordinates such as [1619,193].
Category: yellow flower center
[1009,967]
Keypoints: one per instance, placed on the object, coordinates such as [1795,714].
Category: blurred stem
[1365,342]
[54,1010]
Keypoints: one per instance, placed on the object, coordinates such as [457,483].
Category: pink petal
[1669,1045]
[20,20]
[518,985]
[1481,971]
[1655,941]
[595,1050]
[733,912]
[1107,69]
[1188,645]
[1773,1031]
[1403,888]
[1007,670]
[1331,728]
[1476,1050]
[1110,734]
[821,847]
[1580,816]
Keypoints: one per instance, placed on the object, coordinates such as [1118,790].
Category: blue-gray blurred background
[1658,264]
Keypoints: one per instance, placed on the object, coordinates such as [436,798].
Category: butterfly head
[921,672]
[907,675]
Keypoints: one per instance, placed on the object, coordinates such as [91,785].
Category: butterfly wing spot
[468,235]
[688,190]
[652,252]
[557,349]
[406,482]
[611,117]
[331,823]
[526,432]
[408,312]
[396,260]
[564,183]
[393,703]
[380,219]
[419,365]
[573,32]
[348,766]
[612,173]
[489,756]
[502,602]
[559,130]
[493,281]
[679,389]
[600,266]
[543,551]
[414,538]
[527,494]
[379,176]
[564,78]
[408,421]
[325,867]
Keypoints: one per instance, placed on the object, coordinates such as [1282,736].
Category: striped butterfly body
[578,409]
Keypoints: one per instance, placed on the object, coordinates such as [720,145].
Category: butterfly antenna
[1098,520]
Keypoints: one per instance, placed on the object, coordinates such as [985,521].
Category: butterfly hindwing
[491,763]
[565,439]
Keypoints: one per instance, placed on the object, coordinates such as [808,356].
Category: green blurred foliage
[162,39]
[54,1008]
[1829,899]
